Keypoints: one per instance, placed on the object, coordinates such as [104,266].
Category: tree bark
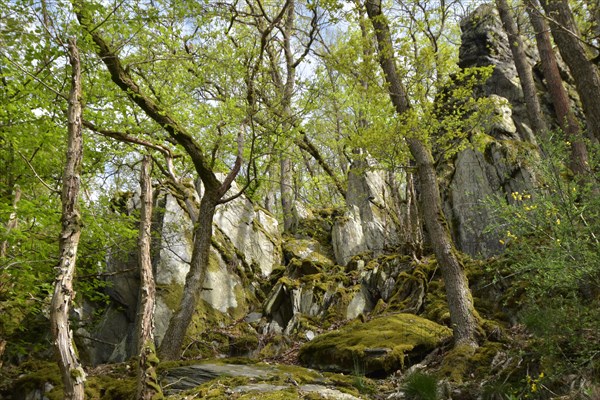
[287,193]
[460,302]
[170,348]
[585,73]
[148,383]
[306,145]
[72,373]
[286,178]
[558,95]
[517,48]
[12,222]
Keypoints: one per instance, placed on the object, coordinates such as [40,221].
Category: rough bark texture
[72,373]
[148,384]
[585,73]
[558,94]
[287,89]
[460,302]
[523,68]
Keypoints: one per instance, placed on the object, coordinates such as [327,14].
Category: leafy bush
[552,264]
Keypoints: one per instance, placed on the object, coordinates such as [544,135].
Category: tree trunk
[170,348]
[72,373]
[148,384]
[460,302]
[517,48]
[585,73]
[558,95]
[287,192]
[11,223]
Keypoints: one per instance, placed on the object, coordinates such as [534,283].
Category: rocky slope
[266,295]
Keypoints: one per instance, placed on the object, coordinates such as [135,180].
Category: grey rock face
[499,167]
[380,214]
[348,236]
[249,236]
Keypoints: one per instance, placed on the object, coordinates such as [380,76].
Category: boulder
[377,347]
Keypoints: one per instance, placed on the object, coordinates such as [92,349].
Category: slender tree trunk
[11,223]
[72,373]
[170,348]
[517,48]
[148,384]
[585,73]
[287,193]
[286,178]
[460,302]
[558,95]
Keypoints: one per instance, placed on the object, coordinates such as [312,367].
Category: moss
[382,344]
[36,374]
[466,362]
[109,387]
[170,294]
[455,364]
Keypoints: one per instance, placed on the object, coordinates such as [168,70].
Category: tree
[214,189]
[148,384]
[573,51]
[460,302]
[558,94]
[72,373]
[517,48]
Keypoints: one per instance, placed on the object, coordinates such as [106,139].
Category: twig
[36,174]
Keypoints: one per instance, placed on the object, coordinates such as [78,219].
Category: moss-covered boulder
[377,347]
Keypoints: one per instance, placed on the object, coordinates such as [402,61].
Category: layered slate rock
[380,213]
[380,346]
[226,381]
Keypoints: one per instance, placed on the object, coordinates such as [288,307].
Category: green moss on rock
[381,345]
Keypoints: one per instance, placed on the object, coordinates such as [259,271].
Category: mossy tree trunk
[172,342]
[460,302]
[72,373]
[148,384]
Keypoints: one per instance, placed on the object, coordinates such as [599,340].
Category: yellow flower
[557,221]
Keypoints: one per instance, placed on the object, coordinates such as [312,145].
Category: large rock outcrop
[246,245]
[380,216]
[499,161]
